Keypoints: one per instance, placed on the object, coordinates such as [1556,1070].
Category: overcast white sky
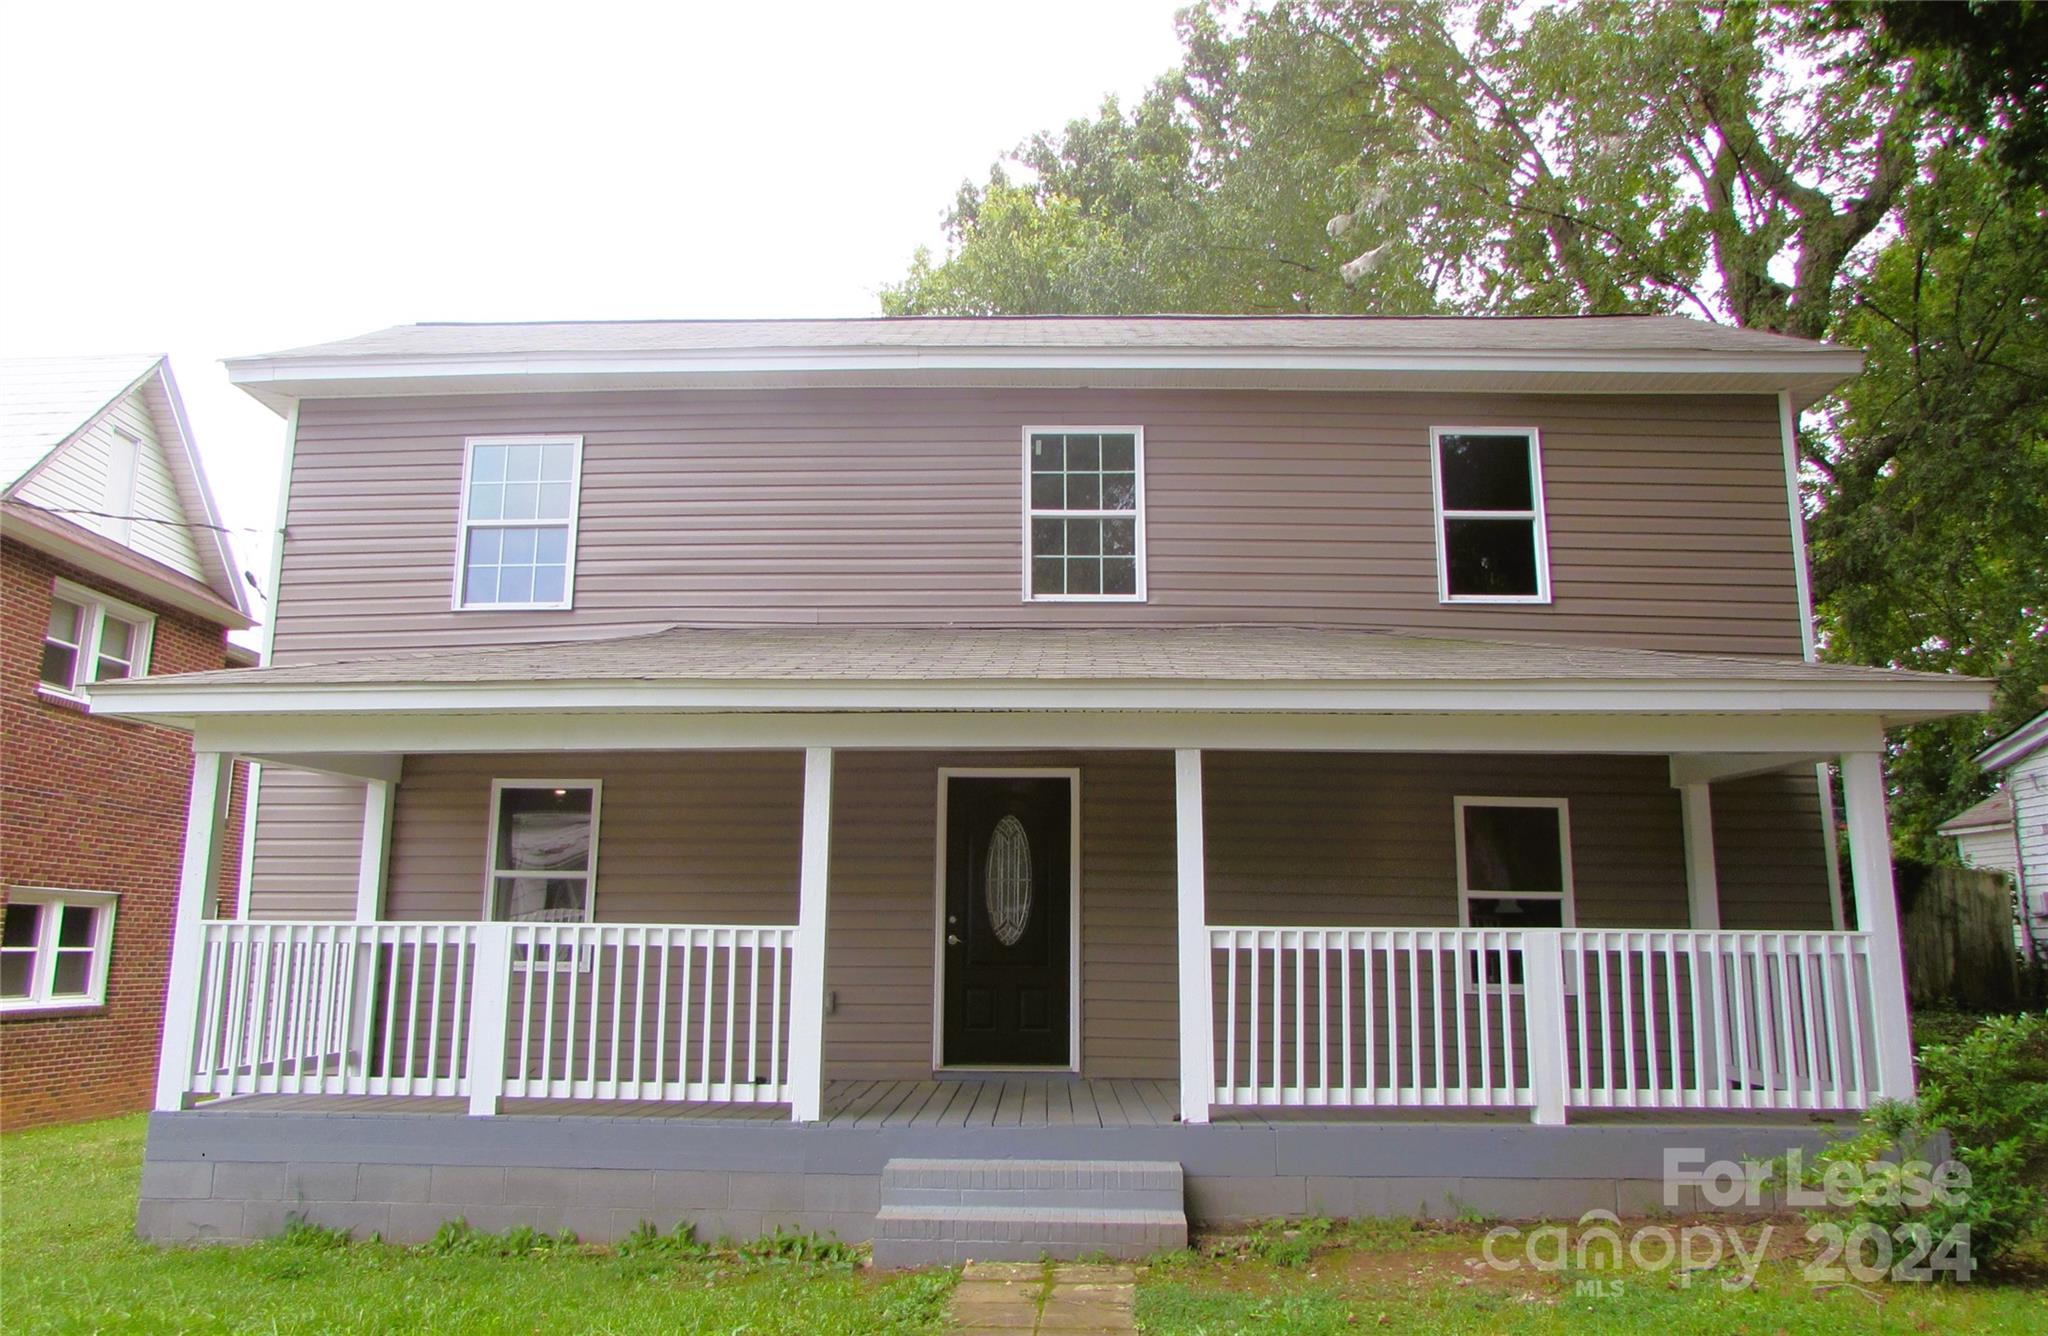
[216,179]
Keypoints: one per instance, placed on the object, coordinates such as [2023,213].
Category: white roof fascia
[1896,702]
[2016,745]
[278,380]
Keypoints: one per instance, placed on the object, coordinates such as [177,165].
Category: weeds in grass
[792,1246]
[645,1240]
[300,1232]
[1288,1243]
[458,1239]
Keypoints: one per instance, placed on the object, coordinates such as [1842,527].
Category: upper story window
[1084,514]
[1491,542]
[543,850]
[54,947]
[517,546]
[92,638]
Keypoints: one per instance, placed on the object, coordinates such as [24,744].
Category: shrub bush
[1988,1093]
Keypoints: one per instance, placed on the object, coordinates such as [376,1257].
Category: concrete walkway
[1062,1299]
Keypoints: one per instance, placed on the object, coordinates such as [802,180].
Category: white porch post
[1877,913]
[198,876]
[807,983]
[490,1000]
[1702,882]
[371,872]
[1197,1037]
[1543,1013]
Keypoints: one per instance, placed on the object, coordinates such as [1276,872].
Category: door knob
[951,940]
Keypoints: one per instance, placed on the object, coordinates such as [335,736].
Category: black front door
[1007,922]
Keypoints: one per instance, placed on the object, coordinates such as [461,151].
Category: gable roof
[45,401]
[1614,354]
[48,402]
[1991,814]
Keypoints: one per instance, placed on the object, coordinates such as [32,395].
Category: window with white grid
[517,546]
[1084,520]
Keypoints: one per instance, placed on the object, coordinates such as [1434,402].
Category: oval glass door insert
[1007,880]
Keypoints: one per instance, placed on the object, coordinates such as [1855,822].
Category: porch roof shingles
[1278,655]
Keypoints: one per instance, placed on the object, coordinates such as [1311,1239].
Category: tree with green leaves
[1772,166]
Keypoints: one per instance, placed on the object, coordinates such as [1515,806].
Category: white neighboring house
[2008,832]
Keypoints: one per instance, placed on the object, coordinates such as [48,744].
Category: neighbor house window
[1084,513]
[1514,862]
[518,533]
[543,850]
[1491,543]
[91,638]
[124,462]
[54,947]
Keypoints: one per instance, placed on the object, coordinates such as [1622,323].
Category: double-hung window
[543,850]
[92,638]
[1492,545]
[1084,514]
[1514,862]
[1514,871]
[54,947]
[517,544]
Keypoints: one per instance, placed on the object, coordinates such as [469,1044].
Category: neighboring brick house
[113,564]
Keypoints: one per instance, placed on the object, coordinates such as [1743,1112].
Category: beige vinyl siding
[74,484]
[1667,515]
[309,846]
[706,838]
[1368,840]
[1768,853]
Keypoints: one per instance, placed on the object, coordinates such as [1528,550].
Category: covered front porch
[1237,933]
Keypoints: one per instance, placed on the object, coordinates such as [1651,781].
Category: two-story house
[782,773]
[114,565]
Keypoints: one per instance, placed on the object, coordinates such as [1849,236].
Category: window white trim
[1137,435]
[1071,774]
[96,608]
[464,523]
[588,876]
[1536,515]
[1568,915]
[43,970]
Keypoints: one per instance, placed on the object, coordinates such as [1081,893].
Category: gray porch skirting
[223,1174]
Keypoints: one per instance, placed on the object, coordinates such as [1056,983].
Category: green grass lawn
[1387,1276]
[69,1261]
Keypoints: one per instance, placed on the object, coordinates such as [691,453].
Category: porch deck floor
[996,1101]
[992,1101]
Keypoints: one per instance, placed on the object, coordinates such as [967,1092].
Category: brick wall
[94,804]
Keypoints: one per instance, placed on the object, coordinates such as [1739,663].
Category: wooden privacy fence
[1959,931]
[526,1010]
[1547,1020]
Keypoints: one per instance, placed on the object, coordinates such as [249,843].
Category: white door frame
[1072,774]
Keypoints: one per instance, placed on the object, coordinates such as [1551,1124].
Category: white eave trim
[1896,701]
[2016,745]
[277,380]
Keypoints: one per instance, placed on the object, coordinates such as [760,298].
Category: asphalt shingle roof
[1417,334]
[1160,654]
[43,400]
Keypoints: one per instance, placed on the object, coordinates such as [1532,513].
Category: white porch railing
[1718,1020]
[581,1011]
[649,1012]
[1542,1019]
[334,1008]
[1370,1016]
